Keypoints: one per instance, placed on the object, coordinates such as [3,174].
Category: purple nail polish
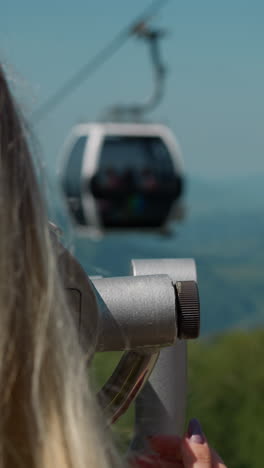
[195,433]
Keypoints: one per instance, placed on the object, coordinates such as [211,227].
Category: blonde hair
[48,415]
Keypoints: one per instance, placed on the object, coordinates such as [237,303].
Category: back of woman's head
[47,414]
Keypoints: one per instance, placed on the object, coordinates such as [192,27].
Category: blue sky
[214,51]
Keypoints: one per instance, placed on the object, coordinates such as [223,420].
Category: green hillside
[226,394]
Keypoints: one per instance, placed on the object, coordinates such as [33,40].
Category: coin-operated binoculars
[149,315]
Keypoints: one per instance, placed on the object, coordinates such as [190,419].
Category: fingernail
[195,432]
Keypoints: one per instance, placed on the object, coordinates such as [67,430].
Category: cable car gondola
[122,175]
[125,174]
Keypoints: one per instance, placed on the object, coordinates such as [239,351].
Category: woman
[48,416]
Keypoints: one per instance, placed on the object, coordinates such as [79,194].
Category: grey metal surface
[180,269]
[134,368]
[161,406]
[136,312]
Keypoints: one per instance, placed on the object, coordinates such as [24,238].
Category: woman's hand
[192,451]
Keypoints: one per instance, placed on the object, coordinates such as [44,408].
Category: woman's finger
[196,452]
[196,455]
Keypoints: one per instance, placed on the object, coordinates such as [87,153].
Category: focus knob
[188,310]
